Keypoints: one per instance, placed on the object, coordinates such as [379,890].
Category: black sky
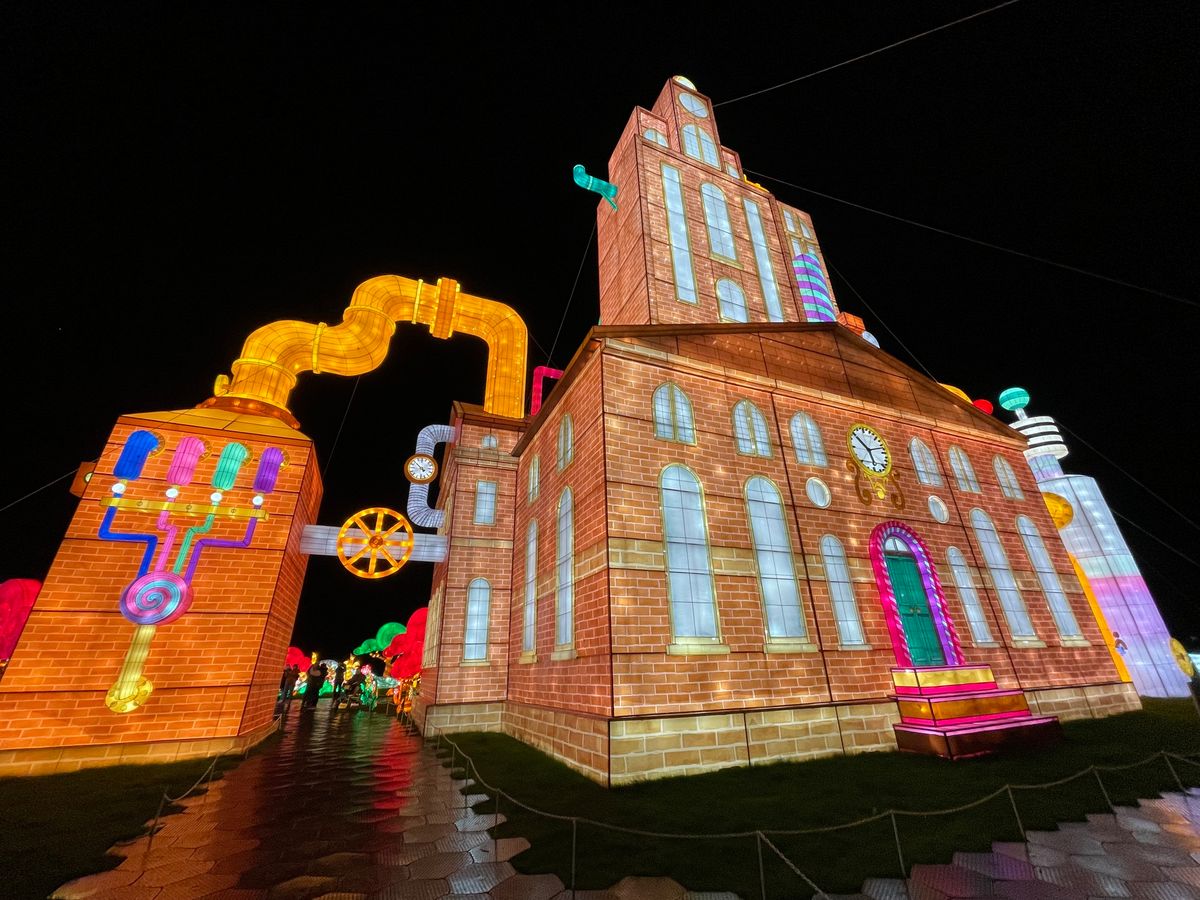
[174,179]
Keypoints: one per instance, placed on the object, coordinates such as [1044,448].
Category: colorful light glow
[814,290]
[274,355]
[598,185]
[1014,398]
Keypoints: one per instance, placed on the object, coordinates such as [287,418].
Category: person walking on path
[290,676]
[337,681]
[312,685]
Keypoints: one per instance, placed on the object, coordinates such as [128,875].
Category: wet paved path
[344,806]
[1151,851]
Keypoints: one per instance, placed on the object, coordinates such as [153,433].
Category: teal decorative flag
[591,183]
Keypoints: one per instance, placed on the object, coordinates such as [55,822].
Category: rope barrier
[165,799]
[760,835]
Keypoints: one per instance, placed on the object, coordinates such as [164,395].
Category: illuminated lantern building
[737,531]
[1092,536]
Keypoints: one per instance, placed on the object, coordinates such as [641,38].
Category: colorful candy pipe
[592,183]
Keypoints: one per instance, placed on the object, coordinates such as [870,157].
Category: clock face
[420,468]
[869,450]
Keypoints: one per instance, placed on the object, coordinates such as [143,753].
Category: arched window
[564,595]
[681,248]
[731,302]
[698,144]
[750,430]
[964,473]
[806,438]
[689,570]
[1056,598]
[1002,576]
[535,478]
[1007,478]
[673,415]
[776,567]
[479,602]
[489,442]
[762,259]
[924,462]
[841,592]
[529,625]
[566,442]
[969,596]
[653,134]
[716,216]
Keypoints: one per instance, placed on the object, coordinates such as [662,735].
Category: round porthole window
[694,105]
[938,510]
[686,82]
[818,492]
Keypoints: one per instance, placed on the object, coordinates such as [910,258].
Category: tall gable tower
[693,241]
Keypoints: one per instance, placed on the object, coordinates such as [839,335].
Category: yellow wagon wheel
[380,548]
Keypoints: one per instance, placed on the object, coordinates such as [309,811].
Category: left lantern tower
[161,629]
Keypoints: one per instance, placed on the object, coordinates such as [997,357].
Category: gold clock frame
[421,480]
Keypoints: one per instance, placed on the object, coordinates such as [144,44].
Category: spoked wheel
[375,542]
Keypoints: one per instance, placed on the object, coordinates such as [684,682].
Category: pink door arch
[946,632]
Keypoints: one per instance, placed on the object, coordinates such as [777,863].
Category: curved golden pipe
[275,355]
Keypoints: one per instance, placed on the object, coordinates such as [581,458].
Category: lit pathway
[1150,852]
[345,806]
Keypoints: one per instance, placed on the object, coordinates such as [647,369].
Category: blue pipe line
[108,534]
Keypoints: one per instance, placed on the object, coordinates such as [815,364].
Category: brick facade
[215,671]
[627,698]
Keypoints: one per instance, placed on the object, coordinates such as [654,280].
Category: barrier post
[1016,812]
[762,876]
[574,842]
[1103,791]
[899,851]
[495,828]
[1167,758]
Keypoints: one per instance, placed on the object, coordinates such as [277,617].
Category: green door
[923,643]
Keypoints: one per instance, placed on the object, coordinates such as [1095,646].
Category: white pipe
[419,511]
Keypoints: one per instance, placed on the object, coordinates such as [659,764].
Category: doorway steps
[958,711]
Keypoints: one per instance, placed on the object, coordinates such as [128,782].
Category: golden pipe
[274,356]
[132,689]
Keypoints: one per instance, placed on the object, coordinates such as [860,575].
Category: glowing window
[1007,478]
[694,105]
[564,594]
[939,510]
[489,442]
[689,571]
[681,251]
[924,462]
[485,503]
[653,134]
[535,478]
[750,430]
[731,169]
[716,216]
[1002,576]
[969,596]
[529,625]
[479,601]
[776,567]
[841,592]
[762,257]
[731,301]
[698,144]
[1056,598]
[818,493]
[789,221]
[566,442]
[806,438]
[964,472]
[673,415]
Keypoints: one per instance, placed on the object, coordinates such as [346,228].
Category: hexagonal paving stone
[305,887]
[633,888]
[438,865]
[161,876]
[415,890]
[528,887]
[499,851]
[92,884]
[479,878]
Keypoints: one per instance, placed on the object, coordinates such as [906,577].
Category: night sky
[174,179]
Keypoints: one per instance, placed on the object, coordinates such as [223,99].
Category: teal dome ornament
[1014,398]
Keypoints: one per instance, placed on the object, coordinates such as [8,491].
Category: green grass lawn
[58,827]
[820,793]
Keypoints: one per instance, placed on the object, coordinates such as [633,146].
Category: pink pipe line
[540,374]
[160,564]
